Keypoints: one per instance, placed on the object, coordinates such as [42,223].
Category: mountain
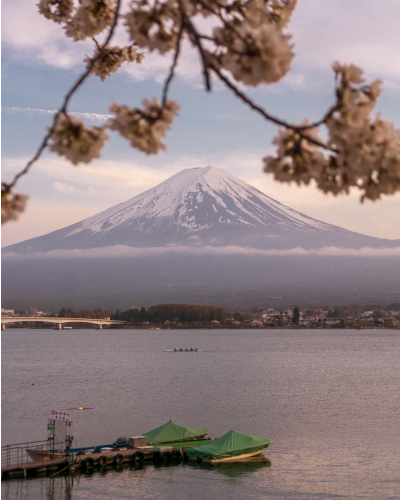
[201,236]
[200,206]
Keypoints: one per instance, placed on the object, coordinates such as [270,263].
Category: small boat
[231,447]
[174,433]
[40,454]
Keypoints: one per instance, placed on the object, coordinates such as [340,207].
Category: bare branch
[173,66]
[196,40]
[265,114]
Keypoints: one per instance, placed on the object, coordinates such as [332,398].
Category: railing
[17,454]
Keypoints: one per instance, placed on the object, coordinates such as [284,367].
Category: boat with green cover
[232,446]
[172,432]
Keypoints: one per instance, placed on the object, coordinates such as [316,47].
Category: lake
[328,399]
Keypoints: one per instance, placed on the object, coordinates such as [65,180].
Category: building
[7,312]
[31,311]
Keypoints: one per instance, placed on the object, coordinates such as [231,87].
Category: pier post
[58,326]
[100,327]
[3,326]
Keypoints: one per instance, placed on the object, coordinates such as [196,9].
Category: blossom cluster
[71,138]
[361,151]
[12,205]
[248,41]
[144,128]
[88,19]
[108,60]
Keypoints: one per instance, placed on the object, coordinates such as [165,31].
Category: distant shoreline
[222,327]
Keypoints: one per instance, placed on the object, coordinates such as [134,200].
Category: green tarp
[229,445]
[171,432]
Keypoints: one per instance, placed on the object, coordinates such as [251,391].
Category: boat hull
[43,455]
[237,458]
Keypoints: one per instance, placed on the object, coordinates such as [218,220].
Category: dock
[16,462]
[26,469]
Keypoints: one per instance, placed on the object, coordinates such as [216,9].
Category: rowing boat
[171,350]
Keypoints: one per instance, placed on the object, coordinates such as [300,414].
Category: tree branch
[173,66]
[5,187]
[265,114]
[197,41]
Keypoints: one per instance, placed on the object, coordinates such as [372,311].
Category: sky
[39,64]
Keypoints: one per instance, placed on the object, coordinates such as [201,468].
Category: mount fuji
[202,236]
[200,207]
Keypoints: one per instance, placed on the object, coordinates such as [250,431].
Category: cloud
[34,38]
[31,111]
[325,31]
[122,251]
[65,188]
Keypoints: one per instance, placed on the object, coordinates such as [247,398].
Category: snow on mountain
[197,199]
[200,207]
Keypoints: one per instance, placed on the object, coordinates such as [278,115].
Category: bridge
[58,321]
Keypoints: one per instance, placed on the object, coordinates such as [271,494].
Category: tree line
[182,313]
[96,313]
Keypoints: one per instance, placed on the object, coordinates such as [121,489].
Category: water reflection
[235,469]
[61,487]
[47,488]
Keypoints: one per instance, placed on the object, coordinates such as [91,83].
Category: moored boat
[172,432]
[40,454]
[232,446]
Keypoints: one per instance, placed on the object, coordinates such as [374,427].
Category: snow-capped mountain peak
[199,207]
[196,199]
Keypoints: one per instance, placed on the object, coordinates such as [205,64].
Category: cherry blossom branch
[265,114]
[197,41]
[6,187]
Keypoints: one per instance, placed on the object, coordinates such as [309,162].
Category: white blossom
[56,10]
[296,159]
[254,55]
[362,152]
[109,59]
[91,18]
[260,12]
[12,205]
[366,149]
[155,28]
[144,128]
[78,143]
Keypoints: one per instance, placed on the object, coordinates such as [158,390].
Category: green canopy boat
[231,446]
[171,432]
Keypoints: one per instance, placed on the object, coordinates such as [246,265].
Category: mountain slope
[198,207]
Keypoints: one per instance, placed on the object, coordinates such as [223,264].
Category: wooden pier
[73,461]
[26,469]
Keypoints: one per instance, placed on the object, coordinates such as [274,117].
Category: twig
[5,187]
[197,42]
[173,66]
[265,114]
[245,98]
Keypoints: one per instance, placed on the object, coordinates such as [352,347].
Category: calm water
[331,412]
